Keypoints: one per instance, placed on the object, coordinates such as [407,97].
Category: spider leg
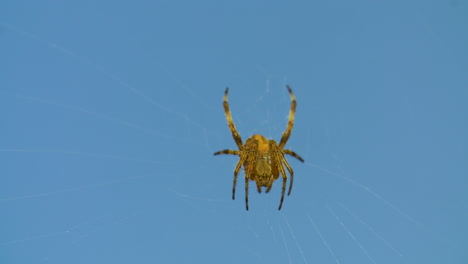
[234,186]
[275,174]
[279,169]
[283,186]
[236,171]
[293,154]
[247,193]
[291,173]
[289,127]
[278,160]
[274,162]
[232,126]
[249,154]
[228,151]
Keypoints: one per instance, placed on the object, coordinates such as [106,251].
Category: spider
[263,159]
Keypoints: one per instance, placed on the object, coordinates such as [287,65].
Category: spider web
[111,159]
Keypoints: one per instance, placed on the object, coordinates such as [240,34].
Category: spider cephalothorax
[263,159]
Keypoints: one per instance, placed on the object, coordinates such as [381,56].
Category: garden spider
[262,159]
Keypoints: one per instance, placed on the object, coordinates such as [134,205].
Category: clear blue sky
[110,113]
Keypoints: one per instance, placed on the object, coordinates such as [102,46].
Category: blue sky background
[110,113]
